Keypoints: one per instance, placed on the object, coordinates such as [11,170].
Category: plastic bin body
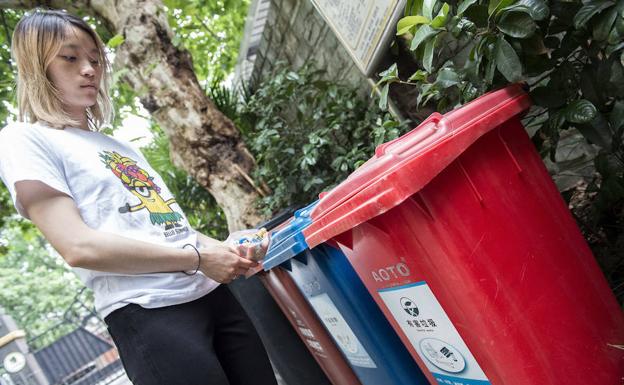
[480,261]
[294,306]
[344,306]
[357,325]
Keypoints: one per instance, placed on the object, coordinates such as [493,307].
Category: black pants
[209,341]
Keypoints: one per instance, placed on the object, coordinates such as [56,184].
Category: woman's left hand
[255,251]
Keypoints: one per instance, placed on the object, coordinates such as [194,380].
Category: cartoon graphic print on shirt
[141,184]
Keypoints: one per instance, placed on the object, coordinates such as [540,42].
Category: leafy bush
[36,287]
[570,54]
[307,134]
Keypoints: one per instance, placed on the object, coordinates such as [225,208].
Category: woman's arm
[205,240]
[58,218]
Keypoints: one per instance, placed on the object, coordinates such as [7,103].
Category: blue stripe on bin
[452,380]
[420,283]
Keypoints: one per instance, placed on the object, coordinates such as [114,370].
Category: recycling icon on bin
[443,355]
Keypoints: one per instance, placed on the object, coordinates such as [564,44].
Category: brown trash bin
[307,325]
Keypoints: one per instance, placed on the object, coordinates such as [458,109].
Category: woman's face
[76,72]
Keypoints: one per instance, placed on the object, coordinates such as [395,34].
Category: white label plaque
[364,27]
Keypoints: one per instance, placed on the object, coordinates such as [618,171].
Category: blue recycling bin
[344,306]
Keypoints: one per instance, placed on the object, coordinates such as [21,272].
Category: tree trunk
[204,142]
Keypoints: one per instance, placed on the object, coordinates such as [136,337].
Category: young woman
[108,213]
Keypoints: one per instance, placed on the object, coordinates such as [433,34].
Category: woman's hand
[255,251]
[223,263]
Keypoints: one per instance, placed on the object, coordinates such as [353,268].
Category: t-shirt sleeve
[24,155]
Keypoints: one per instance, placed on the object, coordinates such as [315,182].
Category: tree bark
[204,142]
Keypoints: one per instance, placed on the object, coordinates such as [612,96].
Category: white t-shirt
[116,191]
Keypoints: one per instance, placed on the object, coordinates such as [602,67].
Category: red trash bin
[463,240]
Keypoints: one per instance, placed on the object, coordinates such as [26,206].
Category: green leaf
[469,92]
[537,8]
[619,24]
[603,25]
[613,187]
[464,5]
[614,48]
[496,5]
[533,46]
[616,118]
[292,76]
[447,77]
[440,20]
[408,22]
[413,7]
[555,122]
[423,33]
[517,24]
[615,36]
[473,64]
[427,8]
[115,41]
[597,131]
[478,14]
[615,78]
[591,86]
[492,4]
[430,94]
[580,111]
[418,76]
[490,71]
[390,75]
[486,49]
[312,182]
[602,165]
[383,99]
[588,10]
[428,54]
[507,61]
[462,26]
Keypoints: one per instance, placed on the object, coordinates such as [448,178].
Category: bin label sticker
[432,334]
[341,332]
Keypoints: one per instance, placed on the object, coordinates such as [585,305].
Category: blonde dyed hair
[37,39]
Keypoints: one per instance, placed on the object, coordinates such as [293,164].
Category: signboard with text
[365,27]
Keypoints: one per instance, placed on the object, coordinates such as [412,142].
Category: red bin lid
[400,168]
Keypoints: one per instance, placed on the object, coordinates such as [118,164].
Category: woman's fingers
[252,248]
[247,263]
[247,251]
[264,246]
[224,263]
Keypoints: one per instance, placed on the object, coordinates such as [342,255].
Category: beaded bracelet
[198,259]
